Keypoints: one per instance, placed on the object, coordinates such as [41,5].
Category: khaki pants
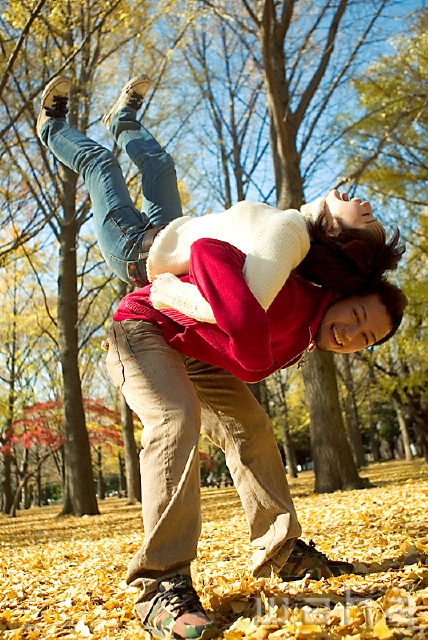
[173,396]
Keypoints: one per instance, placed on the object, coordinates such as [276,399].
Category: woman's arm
[278,249]
[169,292]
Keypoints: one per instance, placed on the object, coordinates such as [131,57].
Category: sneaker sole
[207,634]
[126,89]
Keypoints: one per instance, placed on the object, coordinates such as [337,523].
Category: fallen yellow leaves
[64,577]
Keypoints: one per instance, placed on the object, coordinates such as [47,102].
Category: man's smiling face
[352,324]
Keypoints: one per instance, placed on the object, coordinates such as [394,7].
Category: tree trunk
[289,450]
[422,440]
[7,459]
[403,427]
[22,482]
[132,468]
[258,389]
[7,483]
[283,128]
[79,484]
[417,411]
[374,440]
[100,479]
[122,479]
[334,465]
[38,496]
[280,411]
[353,422]
[28,495]
[16,500]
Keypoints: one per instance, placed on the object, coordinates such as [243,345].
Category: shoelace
[59,109]
[135,101]
[302,546]
[181,597]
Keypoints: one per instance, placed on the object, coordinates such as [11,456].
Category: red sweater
[247,341]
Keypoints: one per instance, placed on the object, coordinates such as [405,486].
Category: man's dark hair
[350,262]
[394,301]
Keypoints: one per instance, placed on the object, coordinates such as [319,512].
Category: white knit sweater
[274,241]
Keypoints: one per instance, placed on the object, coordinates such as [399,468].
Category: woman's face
[355,213]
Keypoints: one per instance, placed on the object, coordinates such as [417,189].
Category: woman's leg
[119,226]
[161,199]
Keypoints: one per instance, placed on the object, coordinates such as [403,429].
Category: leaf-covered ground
[64,577]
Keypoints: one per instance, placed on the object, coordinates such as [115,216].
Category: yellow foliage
[65,577]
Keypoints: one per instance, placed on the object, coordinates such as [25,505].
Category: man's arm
[216,268]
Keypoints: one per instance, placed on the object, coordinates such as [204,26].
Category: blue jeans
[119,225]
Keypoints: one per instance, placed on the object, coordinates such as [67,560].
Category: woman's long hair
[350,262]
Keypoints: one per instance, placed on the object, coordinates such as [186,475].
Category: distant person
[211,480]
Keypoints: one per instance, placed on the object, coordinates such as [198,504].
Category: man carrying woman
[222,310]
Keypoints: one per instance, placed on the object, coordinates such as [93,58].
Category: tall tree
[278,392]
[352,419]
[133,483]
[77,38]
[403,426]
[393,104]
[22,329]
[333,462]
[305,63]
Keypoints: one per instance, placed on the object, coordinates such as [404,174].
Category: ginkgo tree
[24,348]
[387,141]
[96,45]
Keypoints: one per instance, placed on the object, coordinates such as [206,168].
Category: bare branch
[340,76]
[19,44]
[325,58]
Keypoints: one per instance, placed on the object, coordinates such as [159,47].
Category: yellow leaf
[381,630]
[82,629]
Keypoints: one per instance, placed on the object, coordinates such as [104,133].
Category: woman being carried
[337,242]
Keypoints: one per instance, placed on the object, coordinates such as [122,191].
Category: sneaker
[54,101]
[306,559]
[177,612]
[132,95]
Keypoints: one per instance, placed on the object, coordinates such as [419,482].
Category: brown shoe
[54,101]
[177,612]
[132,95]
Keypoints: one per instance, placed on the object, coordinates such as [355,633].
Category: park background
[270,101]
